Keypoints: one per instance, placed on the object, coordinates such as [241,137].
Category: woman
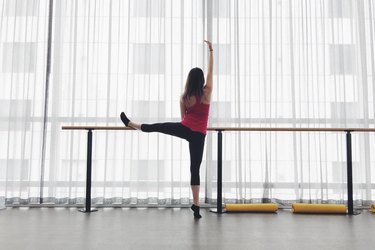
[194,105]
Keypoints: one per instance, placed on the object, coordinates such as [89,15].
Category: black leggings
[195,139]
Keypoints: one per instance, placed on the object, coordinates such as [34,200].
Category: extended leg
[168,128]
[129,123]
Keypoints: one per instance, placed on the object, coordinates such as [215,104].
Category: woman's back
[196,115]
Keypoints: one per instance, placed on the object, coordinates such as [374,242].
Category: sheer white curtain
[277,63]
[23,46]
[113,56]
[294,64]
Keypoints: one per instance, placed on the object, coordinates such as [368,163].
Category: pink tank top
[196,117]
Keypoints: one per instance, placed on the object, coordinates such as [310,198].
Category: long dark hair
[194,84]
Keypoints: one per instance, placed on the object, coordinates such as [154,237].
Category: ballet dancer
[194,106]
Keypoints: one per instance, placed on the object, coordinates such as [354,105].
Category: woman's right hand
[209,45]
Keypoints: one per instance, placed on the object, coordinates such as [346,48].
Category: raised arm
[209,77]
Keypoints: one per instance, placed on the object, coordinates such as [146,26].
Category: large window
[283,63]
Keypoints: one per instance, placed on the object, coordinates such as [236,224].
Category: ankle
[195,209]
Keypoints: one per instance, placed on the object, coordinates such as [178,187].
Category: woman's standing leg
[196,147]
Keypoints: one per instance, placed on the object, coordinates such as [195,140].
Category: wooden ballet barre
[233,129]
[220,131]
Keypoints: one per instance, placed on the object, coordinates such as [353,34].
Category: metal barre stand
[219,208]
[88,208]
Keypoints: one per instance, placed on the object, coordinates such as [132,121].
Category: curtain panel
[277,63]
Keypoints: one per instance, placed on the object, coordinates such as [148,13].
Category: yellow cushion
[263,207]
[319,208]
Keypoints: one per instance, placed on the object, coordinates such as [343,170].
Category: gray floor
[174,228]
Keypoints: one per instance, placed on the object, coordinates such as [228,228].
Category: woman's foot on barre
[124,119]
[196,211]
